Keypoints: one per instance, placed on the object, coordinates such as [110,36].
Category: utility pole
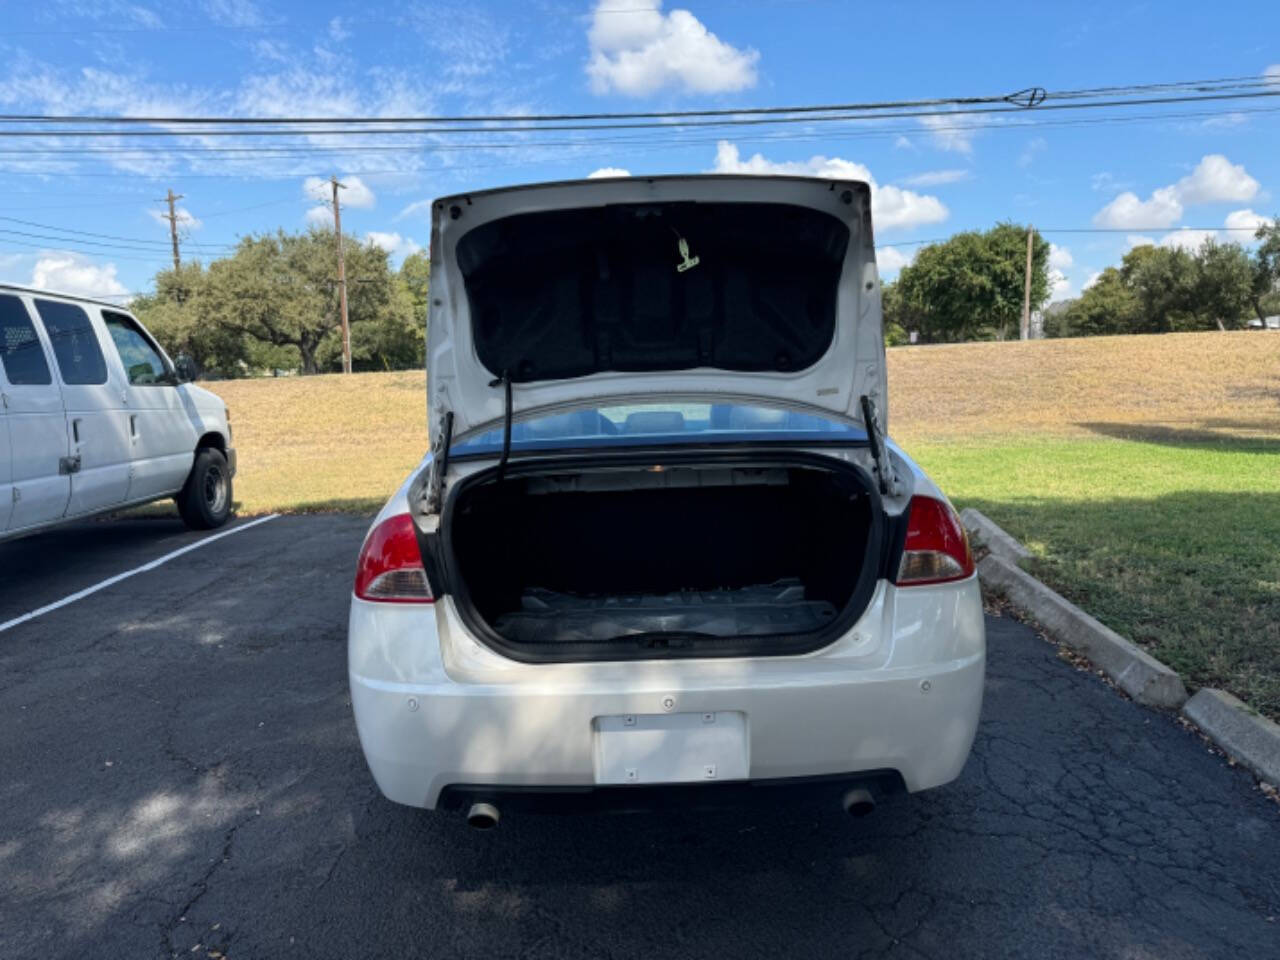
[172,217]
[1026,289]
[342,277]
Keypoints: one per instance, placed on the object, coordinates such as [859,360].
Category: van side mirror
[185,368]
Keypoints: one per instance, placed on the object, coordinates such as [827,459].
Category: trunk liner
[780,607]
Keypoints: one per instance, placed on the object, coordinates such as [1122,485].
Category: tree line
[273,305]
[971,287]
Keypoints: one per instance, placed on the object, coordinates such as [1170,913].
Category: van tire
[205,499]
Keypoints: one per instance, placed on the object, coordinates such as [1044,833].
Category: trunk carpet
[547,616]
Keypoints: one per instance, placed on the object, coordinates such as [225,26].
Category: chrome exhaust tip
[859,803]
[483,816]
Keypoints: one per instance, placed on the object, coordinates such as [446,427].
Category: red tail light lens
[390,565]
[937,547]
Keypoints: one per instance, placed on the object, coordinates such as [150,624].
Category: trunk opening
[557,563]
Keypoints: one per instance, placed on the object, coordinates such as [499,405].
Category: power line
[1027,98]
[100,236]
[287,151]
[747,121]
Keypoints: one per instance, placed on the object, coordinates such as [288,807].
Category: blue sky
[1140,179]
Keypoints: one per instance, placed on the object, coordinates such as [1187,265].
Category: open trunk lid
[598,291]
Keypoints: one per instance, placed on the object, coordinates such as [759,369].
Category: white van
[94,417]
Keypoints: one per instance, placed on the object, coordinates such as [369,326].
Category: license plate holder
[671,748]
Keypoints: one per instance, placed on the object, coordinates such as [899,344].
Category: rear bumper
[900,693]
[828,790]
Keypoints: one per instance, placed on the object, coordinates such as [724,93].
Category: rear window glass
[75,345]
[20,350]
[662,423]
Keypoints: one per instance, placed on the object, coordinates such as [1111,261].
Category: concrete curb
[1249,737]
[1134,671]
[986,532]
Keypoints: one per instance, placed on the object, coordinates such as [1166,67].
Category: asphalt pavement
[181,777]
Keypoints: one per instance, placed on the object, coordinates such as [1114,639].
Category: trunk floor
[547,616]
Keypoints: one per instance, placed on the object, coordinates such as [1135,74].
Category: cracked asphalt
[181,776]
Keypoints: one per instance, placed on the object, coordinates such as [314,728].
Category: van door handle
[133,425]
[75,430]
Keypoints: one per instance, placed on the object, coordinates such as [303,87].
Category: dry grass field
[311,443]
[1143,472]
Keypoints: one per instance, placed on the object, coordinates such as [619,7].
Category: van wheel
[205,499]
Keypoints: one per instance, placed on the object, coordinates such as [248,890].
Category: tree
[1108,306]
[173,316]
[280,290]
[416,273]
[1266,267]
[971,286]
[1163,281]
[1223,284]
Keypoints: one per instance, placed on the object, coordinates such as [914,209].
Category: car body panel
[900,690]
[852,366]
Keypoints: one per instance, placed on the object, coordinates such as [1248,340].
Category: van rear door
[38,491]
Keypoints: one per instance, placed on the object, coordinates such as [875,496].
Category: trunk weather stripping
[875,440]
[440,465]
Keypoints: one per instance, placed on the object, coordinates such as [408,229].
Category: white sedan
[664,553]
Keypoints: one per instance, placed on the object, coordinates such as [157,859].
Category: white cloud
[903,143]
[948,134]
[1036,146]
[1272,73]
[1059,286]
[636,49]
[1059,257]
[935,178]
[1092,279]
[185,218]
[393,243]
[1187,239]
[1104,182]
[1214,180]
[319,216]
[608,172]
[419,208]
[890,206]
[234,13]
[338,30]
[1127,211]
[76,273]
[1217,180]
[356,193]
[1239,221]
[892,259]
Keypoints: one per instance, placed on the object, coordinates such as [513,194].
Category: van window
[20,350]
[142,362]
[75,345]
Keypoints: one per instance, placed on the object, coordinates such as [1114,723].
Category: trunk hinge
[505,382]
[440,464]
[875,440]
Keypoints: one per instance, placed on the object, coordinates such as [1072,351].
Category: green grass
[1170,537]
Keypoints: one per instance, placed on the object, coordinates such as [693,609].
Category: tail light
[390,565]
[937,547]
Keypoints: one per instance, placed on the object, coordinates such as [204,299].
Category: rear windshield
[661,424]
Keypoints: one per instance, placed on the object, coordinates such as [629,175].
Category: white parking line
[111,581]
